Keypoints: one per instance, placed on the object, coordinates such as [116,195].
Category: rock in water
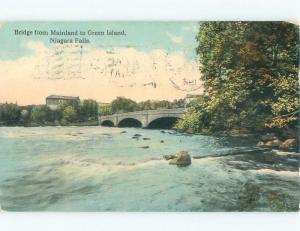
[123,132]
[169,157]
[269,140]
[260,144]
[146,138]
[181,159]
[273,143]
[288,144]
[268,137]
[144,147]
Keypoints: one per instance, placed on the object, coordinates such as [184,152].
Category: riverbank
[284,140]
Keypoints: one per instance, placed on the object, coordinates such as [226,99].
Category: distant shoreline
[79,124]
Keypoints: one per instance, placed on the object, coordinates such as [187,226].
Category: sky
[153,60]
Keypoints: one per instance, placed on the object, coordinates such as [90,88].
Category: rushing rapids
[105,169]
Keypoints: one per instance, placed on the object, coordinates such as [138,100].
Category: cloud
[174,38]
[97,73]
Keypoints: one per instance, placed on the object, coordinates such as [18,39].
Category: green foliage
[161,104]
[154,104]
[55,115]
[105,109]
[88,110]
[12,114]
[250,76]
[40,114]
[9,113]
[122,104]
[69,114]
[24,116]
[191,121]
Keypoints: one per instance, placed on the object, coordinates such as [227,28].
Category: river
[105,169]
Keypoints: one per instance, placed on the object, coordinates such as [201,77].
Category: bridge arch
[130,122]
[107,123]
[163,122]
[159,118]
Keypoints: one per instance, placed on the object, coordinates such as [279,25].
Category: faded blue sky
[155,60]
[143,36]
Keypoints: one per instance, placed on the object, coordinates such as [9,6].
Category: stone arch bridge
[146,119]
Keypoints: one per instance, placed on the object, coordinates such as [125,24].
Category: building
[54,101]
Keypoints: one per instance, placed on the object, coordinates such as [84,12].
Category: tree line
[122,104]
[34,115]
[11,114]
[250,76]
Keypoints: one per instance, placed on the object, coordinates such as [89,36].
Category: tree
[250,76]
[177,103]
[122,104]
[24,116]
[40,114]
[156,104]
[9,113]
[69,114]
[89,109]
[105,109]
[55,115]
[12,114]
[146,105]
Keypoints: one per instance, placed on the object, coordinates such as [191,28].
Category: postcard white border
[11,10]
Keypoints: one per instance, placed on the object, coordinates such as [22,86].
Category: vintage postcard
[149,116]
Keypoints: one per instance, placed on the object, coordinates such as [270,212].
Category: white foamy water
[105,169]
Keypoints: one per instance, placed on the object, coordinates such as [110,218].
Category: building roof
[62,97]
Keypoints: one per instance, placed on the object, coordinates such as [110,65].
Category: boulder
[181,159]
[169,157]
[146,138]
[123,132]
[145,147]
[162,141]
[288,144]
[273,143]
[268,137]
[260,144]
